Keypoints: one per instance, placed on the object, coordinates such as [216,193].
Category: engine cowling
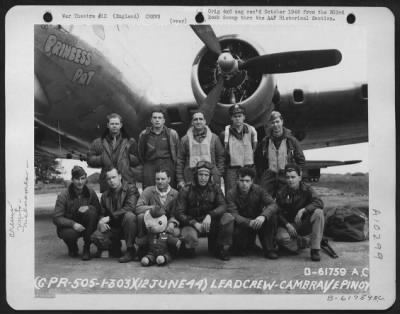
[254,91]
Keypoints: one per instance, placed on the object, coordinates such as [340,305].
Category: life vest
[240,151]
[277,158]
[199,151]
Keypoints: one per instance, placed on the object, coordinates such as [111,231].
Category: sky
[163,57]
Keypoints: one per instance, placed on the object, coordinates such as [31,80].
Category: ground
[56,273]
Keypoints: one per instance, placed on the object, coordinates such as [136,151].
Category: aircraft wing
[53,142]
[328,163]
[312,168]
[328,117]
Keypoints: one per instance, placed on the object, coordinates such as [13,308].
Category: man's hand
[78,227]
[292,230]
[299,215]
[206,224]
[103,224]
[83,209]
[170,228]
[178,244]
[257,223]
[198,227]
[105,220]
[181,185]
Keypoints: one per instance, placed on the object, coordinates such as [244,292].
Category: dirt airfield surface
[56,273]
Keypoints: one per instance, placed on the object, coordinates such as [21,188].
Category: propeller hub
[227,63]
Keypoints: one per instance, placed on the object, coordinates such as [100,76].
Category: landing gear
[311,179]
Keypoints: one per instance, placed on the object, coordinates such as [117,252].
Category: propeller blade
[208,37]
[211,101]
[293,61]
[233,97]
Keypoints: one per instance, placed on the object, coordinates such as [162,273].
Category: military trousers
[221,231]
[311,230]
[244,236]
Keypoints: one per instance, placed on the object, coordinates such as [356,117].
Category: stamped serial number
[362,297]
[325,271]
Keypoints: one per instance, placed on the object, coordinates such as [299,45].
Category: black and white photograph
[179,159]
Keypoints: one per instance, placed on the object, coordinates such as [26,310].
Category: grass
[59,187]
[338,190]
[349,184]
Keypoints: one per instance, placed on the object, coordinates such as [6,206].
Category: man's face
[203,177]
[277,126]
[157,120]
[114,125]
[245,183]
[198,121]
[162,181]
[238,119]
[113,179]
[79,183]
[293,179]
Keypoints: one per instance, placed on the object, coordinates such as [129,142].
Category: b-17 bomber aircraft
[83,73]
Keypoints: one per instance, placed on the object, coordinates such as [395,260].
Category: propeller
[208,106]
[294,61]
[232,69]
[208,37]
